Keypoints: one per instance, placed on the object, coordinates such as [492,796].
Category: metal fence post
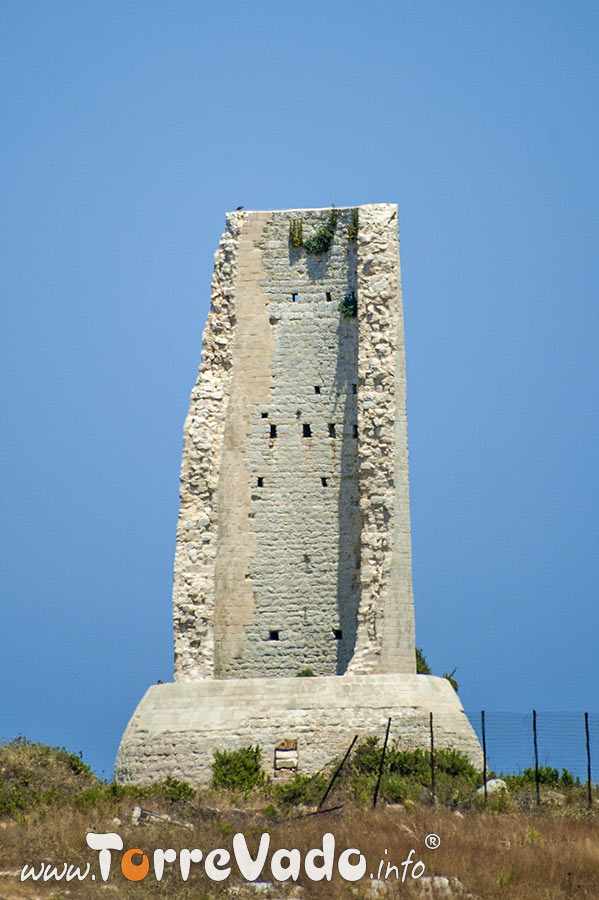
[432,757]
[338,770]
[376,793]
[588,741]
[482,722]
[534,734]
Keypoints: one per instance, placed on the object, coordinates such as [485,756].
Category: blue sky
[128,130]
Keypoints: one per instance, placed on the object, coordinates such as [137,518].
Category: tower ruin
[293,542]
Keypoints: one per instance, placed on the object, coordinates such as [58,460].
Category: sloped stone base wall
[176,727]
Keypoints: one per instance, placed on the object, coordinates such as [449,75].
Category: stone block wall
[293,545]
[177,727]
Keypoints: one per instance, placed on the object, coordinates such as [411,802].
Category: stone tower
[293,542]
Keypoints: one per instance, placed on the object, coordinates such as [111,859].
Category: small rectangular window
[264,415]
[337,634]
[323,482]
[354,388]
[307,431]
[355,431]
[260,481]
[329,298]
[331,429]
[317,389]
[294,298]
[273,635]
[273,431]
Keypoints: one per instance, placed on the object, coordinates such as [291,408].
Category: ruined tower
[293,543]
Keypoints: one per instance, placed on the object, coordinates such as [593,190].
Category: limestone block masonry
[293,542]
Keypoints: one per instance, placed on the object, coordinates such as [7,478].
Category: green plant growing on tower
[296,233]
[422,667]
[321,241]
[352,228]
[348,307]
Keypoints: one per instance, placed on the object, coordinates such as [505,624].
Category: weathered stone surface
[293,545]
[176,727]
[293,541]
[494,786]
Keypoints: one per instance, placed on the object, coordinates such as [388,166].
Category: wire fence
[563,741]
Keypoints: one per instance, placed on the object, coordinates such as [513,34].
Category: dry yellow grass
[529,855]
[49,801]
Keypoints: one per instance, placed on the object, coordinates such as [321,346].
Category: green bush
[348,307]
[305,673]
[366,758]
[296,233]
[422,667]
[407,773]
[352,228]
[307,789]
[321,241]
[548,776]
[238,769]
[393,789]
[451,679]
[176,790]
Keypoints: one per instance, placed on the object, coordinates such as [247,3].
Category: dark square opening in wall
[329,298]
[273,431]
[355,431]
[324,482]
[306,430]
[260,481]
[273,635]
[332,429]
[354,388]
[317,389]
[264,415]
[294,298]
[337,634]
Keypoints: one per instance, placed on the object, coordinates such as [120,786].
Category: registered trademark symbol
[432,841]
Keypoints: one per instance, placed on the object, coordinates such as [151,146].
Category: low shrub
[308,789]
[352,228]
[348,307]
[175,790]
[321,241]
[238,769]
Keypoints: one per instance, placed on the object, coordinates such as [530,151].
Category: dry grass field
[49,801]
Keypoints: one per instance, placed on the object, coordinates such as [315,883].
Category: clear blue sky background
[128,130]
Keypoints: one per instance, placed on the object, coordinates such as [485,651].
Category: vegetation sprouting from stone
[451,679]
[422,667]
[320,242]
[352,228]
[305,673]
[296,233]
[348,307]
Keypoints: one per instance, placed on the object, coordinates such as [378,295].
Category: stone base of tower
[176,727]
